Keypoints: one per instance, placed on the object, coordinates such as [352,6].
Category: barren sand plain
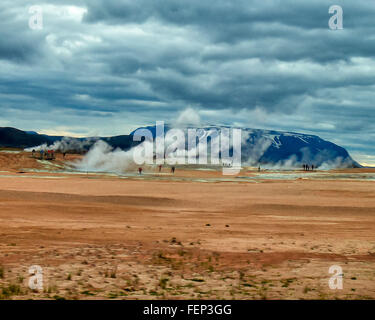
[192,235]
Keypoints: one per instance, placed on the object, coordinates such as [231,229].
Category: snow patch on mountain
[288,150]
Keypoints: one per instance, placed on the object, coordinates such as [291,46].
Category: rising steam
[102,158]
[66,144]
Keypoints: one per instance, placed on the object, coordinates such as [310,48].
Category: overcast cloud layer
[105,67]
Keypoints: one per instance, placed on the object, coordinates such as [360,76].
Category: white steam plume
[66,144]
[102,158]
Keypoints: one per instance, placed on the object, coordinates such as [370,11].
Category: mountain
[284,149]
[289,149]
[14,138]
[259,147]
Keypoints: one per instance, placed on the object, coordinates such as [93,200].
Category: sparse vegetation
[287,282]
[113,273]
[163,283]
[11,290]
[306,289]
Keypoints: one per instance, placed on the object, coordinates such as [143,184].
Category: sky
[106,67]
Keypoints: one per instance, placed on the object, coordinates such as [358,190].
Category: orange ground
[106,237]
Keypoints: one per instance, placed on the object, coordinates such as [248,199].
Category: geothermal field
[194,234]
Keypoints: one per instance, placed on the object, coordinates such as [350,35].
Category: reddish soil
[112,238]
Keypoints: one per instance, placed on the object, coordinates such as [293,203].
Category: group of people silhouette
[306,167]
[44,154]
[173,169]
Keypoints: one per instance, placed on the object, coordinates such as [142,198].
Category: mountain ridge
[283,148]
[259,147]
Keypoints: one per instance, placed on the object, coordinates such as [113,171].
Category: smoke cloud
[66,144]
[102,158]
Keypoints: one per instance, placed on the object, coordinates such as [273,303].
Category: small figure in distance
[173,170]
[140,171]
[160,168]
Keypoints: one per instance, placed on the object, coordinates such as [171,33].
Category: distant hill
[14,138]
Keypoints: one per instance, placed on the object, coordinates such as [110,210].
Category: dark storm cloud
[278,23]
[17,41]
[106,66]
